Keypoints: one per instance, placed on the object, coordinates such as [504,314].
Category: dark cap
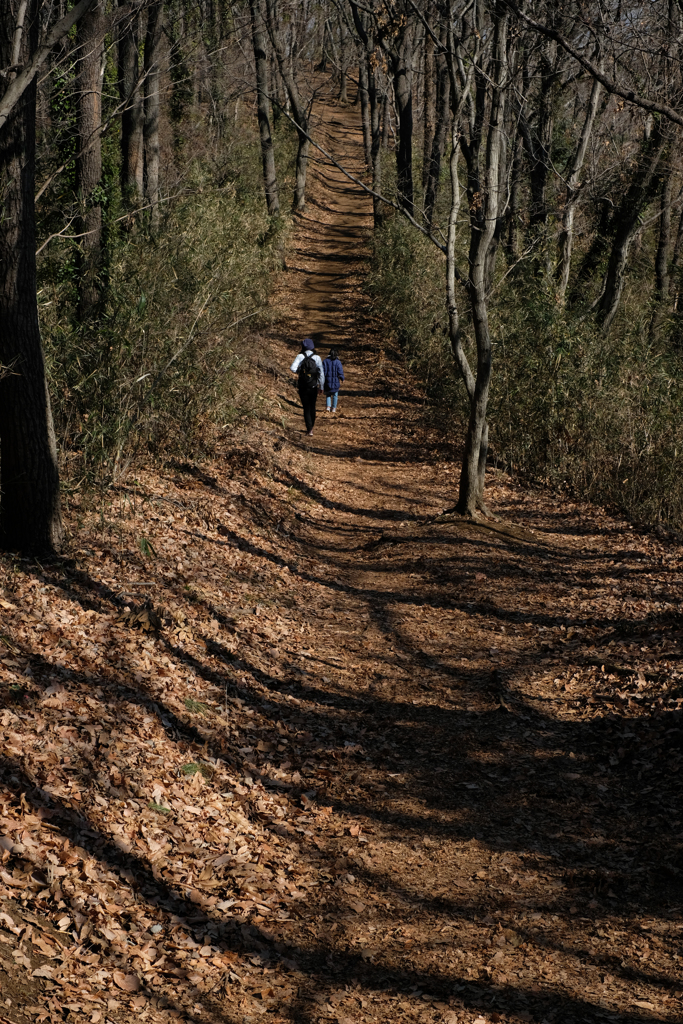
[308,343]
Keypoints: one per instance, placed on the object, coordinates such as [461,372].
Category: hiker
[334,374]
[309,368]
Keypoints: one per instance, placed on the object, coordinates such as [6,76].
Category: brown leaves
[126,982]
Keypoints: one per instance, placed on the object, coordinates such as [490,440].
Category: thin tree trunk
[386,116]
[403,85]
[258,34]
[664,244]
[343,57]
[627,222]
[483,220]
[429,113]
[30,519]
[151,128]
[89,70]
[132,118]
[298,108]
[662,274]
[365,108]
[573,190]
[512,240]
[443,97]
[371,109]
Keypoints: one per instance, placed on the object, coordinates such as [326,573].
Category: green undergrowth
[598,416]
[161,364]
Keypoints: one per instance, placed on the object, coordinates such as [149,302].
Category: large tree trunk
[258,35]
[152,105]
[132,117]
[30,518]
[89,70]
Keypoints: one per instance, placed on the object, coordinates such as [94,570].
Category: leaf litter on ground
[266,765]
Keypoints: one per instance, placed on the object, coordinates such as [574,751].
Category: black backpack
[308,374]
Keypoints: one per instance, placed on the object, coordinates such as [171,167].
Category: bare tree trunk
[664,244]
[151,128]
[343,58]
[89,72]
[258,34]
[132,118]
[443,92]
[483,222]
[512,240]
[662,274]
[627,224]
[429,112]
[538,142]
[573,190]
[30,519]
[386,117]
[371,109]
[365,108]
[402,58]
[299,111]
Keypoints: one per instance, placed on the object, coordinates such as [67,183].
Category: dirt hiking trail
[282,742]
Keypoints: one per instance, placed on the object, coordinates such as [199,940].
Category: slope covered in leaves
[283,740]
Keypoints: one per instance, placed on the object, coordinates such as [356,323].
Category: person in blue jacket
[334,375]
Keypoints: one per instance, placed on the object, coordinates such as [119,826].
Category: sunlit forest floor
[282,740]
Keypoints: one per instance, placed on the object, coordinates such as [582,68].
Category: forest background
[528,207]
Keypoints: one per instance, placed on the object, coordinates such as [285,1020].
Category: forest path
[500,682]
[281,741]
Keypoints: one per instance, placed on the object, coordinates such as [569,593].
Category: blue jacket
[334,373]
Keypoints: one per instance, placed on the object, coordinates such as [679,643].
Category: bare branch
[16,88]
[597,73]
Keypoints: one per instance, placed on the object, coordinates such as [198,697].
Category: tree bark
[402,59]
[484,202]
[364,97]
[30,519]
[258,35]
[627,225]
[443,91]
[152,60]
[371,109]
[89,71]
[298,107]
[343,57]
[662,280]
[132,118]
[566,240]
[428,113]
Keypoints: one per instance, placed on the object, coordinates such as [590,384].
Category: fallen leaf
[127,982]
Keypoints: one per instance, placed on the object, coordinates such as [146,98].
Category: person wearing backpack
[309,369]
[334,375]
